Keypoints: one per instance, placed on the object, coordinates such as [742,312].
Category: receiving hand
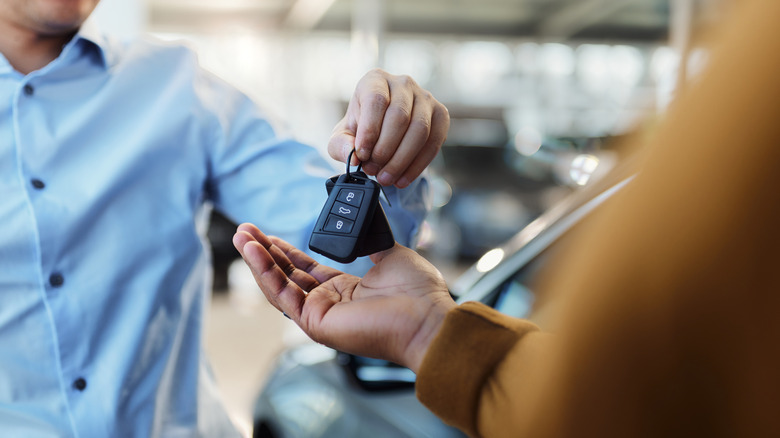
[395,126]
[392,313]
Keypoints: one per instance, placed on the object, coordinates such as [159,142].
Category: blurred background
[538,91]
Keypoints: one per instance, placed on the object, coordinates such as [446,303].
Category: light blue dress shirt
[110,157]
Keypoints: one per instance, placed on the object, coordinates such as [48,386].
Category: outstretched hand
[393,312]
[395,126]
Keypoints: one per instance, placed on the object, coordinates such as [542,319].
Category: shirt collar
[5,66]
[88,37]
[89,34]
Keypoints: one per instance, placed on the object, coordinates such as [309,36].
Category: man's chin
[60,17]
[58,29]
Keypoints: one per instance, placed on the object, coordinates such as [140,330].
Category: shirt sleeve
[259,174]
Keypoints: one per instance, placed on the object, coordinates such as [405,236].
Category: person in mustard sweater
[670,322]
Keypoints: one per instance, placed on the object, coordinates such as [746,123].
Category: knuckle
[442,116]
[422,124]
[334,144]
[443,110]
[379,100]
[370,133]
[426,96]
[400,114]
[381,156]
[407,81]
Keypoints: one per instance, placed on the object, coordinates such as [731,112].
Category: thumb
[341,143]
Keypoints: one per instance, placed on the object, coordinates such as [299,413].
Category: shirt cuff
[408,209]
[473,340]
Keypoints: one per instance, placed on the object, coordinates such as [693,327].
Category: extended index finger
[278,289]
[300,276]
[302,261]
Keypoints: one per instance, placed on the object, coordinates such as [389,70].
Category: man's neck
[28,51]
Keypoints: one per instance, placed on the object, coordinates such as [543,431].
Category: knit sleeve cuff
[473,340]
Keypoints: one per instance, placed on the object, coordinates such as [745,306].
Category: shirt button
[80,384]
[38,184]
[29,90]
[56,280]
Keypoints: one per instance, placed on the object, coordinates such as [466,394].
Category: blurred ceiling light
[479,65]
[527,58]
[326,54]
[557,59]
[582,168]
[490,260]
[528,141]
[477,132]
[592,68]
[663,71]
[627,65]
[413,58]
[663,64]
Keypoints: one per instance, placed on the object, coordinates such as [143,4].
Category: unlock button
[344,210]
[338,224]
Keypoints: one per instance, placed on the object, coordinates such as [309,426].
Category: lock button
[338,224]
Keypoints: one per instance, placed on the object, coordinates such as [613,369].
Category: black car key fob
[352,223]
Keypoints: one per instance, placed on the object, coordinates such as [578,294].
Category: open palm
[393,312]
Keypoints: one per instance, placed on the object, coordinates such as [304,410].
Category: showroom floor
[243,335]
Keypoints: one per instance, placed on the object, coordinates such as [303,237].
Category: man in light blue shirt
[108,154]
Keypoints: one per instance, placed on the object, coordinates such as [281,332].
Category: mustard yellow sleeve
[671,327]
[461,361]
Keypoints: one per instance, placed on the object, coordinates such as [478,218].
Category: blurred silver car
[315,391]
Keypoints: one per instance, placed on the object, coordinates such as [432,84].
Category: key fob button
[344,210]
[338,224]
[350,196]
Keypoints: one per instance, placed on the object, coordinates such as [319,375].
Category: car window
[517,294]
[514,299]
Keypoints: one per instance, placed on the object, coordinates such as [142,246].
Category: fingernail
[385,178]
[402,182]
[363,154]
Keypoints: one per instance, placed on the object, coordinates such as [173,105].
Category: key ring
[364,177]
[349,160]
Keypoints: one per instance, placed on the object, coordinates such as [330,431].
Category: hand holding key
[396,126]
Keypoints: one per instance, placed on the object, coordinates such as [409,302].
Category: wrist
[428,331]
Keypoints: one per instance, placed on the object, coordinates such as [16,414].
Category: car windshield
[509,279]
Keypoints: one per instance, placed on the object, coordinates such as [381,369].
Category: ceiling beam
[579,15]
[305,14]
